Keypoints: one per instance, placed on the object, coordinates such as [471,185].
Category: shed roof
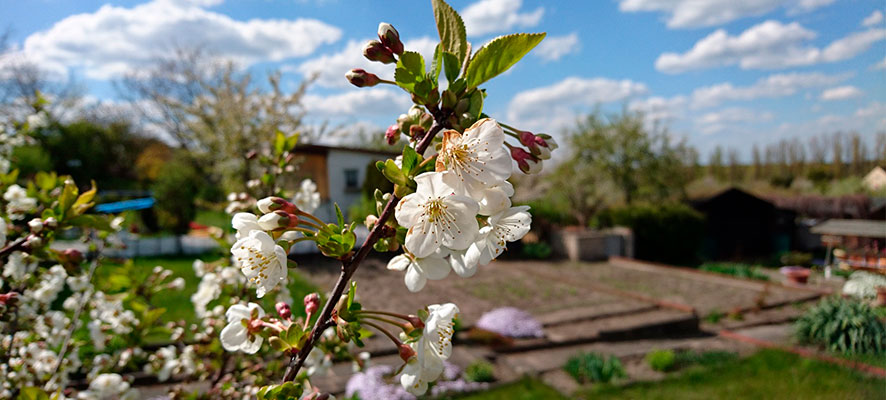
[852,227]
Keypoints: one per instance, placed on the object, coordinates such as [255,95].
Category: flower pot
[881,296]
[796,275]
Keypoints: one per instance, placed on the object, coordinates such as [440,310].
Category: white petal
[238,312]
[466,262]
[408,211]
[434,268]
[399,263]
[414,279]
[233,336]
[421,241]
[516,221]
[252,346]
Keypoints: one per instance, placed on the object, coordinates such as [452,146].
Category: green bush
[843,326]
[668,233]
[480,371]
[175,190]
[592,367]
[661,360]
[796,258]
[734,269]
[536,251]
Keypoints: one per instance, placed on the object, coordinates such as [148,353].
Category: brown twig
[349,266]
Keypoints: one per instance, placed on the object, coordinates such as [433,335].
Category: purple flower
[510,322]
[371,385]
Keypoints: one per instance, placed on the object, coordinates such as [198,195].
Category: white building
[875,180]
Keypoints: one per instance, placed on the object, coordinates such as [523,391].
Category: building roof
[852,227]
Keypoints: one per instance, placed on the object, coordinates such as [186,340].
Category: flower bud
[251,154]
[277,220]
[415,321]
[548,140]
[360,78]
[416,132]
[6,298]
[273,203]
[36,225]
[538,145]
[405,351]
[283,310]
[392,134]
[415,113]
[177,284]
[390,38]
[370,221]
[312,303]
[50,222]
[376,51]
[528,163]
[33,241]
[72,256]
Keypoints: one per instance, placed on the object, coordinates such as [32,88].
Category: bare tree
[213,110]
[837,151]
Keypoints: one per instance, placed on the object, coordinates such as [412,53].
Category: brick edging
[856,365]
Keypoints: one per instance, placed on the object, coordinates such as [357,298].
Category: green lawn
[768,374]
[178,302]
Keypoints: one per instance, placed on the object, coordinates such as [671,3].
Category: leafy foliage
[499,55]
[177,185]
[592,367]
[453,38]
[669,233]
[734,269]
[480,371]
[844,326]
[661,360]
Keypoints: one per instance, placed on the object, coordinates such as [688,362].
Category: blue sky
[719,72]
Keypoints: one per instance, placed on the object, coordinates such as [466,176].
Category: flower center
[255,261]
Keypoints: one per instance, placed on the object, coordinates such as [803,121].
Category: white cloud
[113,40]
[773,86]
[767,45]
[729,118]
[552,108]
[357,102]
[493,16]
[880,65]
[661,110]
[696,13]
[875,109]
[875,18]
[553,48]
[840,93]
[331,68]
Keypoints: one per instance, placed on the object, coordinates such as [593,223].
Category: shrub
[669,233]
[796,258]
[480,371]
[536,251]
[176,187]
[592,367]
[737,270]
[661,360]
[844,326]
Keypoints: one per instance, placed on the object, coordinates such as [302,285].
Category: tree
[715,164]
[214,111]
[617,151]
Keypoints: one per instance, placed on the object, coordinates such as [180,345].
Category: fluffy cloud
[729,119]
[768,45]
[880,65]
[840,93]
[551,108]
[357,102]
[875,109]
[494,16]
[773,86]
[875,18]
[114,40]
[330,69]
[554,48]
[658,110]
[695,13]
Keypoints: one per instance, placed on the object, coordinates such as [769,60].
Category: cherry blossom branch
[18,244]
[349,266]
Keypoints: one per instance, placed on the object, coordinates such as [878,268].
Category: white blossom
[436,216]
[236,334]
[307,198]
[108,387]
[508,225]
[208,290]
[245,223]
[431,349]
[18,202]
[419,270]
[261,260]
[477,156]
[18,266]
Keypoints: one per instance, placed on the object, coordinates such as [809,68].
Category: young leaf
[410,160]
[338,214]
[499,55]
[476,103]
[437,64]
[410,70]
[451,66]
[279,143]
[452,30]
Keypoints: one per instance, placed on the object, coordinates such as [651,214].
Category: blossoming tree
[450,210]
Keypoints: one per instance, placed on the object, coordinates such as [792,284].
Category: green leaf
[90,221]
[338,214]
[437,64]
[410,70]
[499,55]
[451,29]
[410,160]
[451,66]
[69,195]
[393,173]
[279,143]
[476,103]
[351,294]
[33,393]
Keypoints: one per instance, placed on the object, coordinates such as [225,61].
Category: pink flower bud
[73,256]
[36,225]
[360,78]
[277,220]
[283,310]
[405,351]
[273,203]
[392,134]
[390,38]
[376,51]
[312,303]
[5,298]
[528,163]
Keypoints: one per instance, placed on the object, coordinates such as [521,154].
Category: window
[351,180]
